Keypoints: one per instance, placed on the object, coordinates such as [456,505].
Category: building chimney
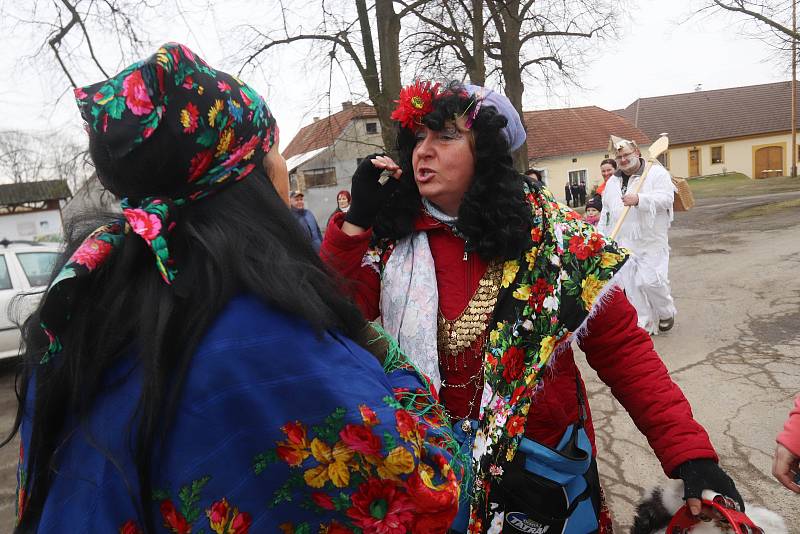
[316,119]
[346,105]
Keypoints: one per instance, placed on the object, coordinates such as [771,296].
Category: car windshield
[37,266]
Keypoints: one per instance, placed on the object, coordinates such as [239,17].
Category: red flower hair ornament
[415,102]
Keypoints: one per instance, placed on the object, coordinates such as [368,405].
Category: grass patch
[738,185]
[766,209]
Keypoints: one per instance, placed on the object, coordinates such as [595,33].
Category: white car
[25,270]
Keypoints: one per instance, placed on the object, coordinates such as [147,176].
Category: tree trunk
[477,70]
[512,72]
[389,51]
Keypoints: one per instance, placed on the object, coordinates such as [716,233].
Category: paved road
[735,351]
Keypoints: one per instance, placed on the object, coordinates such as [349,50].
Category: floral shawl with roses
[220,130]
[545,298]
[278,430]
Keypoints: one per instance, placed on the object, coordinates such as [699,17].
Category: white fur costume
[655,511]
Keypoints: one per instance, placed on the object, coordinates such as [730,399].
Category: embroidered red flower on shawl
[379,506]
[173,519]
[415,102]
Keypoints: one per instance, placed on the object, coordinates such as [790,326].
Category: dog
[654,513]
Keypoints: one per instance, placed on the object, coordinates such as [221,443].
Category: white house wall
[30,225]
[557,170]
[352,144]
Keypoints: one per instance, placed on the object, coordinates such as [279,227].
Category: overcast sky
[658,54]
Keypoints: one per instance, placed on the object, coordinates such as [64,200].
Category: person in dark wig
[485,280]
[193,367]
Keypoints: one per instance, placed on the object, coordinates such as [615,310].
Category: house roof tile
[19,193]
[558,132]
[323,132]
[718,114]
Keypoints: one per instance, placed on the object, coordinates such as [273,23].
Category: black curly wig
[494,215]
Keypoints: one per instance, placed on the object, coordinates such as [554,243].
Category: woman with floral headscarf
[485,280]
[192,367]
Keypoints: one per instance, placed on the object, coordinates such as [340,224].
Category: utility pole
[794,91]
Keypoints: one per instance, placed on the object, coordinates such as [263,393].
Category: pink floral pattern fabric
[222,129]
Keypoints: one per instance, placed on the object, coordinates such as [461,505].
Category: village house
[31,211]
[739,129]
[323,155]
[567,145]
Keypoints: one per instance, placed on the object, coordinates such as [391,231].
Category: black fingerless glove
[368,195]
[705,474]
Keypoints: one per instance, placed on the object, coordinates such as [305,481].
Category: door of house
[694,162]
[769,162]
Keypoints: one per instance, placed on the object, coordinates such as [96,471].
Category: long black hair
[494,214]
[240,240]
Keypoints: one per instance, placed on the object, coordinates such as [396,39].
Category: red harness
[683,521]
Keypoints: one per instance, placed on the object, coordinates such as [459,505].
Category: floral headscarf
[221,128]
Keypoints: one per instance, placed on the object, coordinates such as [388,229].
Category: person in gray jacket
[306,219]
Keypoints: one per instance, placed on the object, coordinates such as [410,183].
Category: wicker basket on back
[684,199]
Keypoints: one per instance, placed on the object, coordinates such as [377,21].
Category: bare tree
[770,19]
[449,39]
[70,31]
[366,36]
[26,157]
[521,42]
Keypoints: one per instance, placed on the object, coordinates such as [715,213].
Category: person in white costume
[644,232]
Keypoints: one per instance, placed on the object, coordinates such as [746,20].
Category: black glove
[368,195]
[699,475]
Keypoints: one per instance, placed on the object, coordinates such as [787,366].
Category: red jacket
[790,437]
[620,351]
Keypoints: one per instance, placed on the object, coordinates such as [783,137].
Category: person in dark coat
[568,194]
[306,219]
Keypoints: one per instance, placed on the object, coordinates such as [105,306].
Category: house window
[372,127]
[717,155]
[576,177]
[320,177]
[664,159]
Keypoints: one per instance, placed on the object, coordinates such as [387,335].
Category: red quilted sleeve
[344,254]
[624,358]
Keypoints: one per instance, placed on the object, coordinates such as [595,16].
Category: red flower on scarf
[200,164]
[240,523]
[517,394]
[596,243]
[436,507]
[136,96]
[218,515]
[91,253]
[380,507]
[515,425]
[244,151]
[147,225]
[573,215]
[368,415]
[130,527]
[415,102]
[188,83]
[188,118]
[577,245]
[295,449]
[173,519]
[536,234]
[539,291]
[406,424]
[323,500]
[336,528]
[360,438]
[80,94]
[223,86]
[513,361]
